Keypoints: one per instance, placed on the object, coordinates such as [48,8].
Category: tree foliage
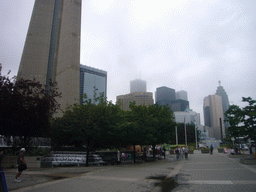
[106,125]
[26,107]
[242,121]
[234,116]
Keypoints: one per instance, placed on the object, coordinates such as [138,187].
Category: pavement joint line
[208,182]
[176,169]
[119,179]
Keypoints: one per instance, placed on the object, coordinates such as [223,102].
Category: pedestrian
[118,157]
[1,158]
[181,152]
[211,149]
[185,150]
[21,164]
[177,152]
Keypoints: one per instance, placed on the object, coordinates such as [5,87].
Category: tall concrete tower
[52,47]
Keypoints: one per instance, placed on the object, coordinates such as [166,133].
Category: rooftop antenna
[0,68]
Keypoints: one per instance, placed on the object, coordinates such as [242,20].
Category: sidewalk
[217,172]
[201,172]
[57,175]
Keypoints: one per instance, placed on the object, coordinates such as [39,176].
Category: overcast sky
[182,44]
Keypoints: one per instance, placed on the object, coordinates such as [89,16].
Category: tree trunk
[154,151]
[87,157]
[134,154]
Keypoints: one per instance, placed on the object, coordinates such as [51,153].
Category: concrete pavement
[217,172]
[201,172]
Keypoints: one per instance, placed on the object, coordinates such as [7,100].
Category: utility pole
[186,141]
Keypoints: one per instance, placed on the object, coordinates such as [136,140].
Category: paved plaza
[201,172]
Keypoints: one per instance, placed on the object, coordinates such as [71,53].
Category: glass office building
[89,78]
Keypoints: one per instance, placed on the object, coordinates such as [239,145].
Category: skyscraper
[225,101]
[89,78]
[213,115]
[182,95]
[52,47]
[138,85]
[165,96]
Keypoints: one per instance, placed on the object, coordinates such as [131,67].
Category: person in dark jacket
[211,149]
[21,164]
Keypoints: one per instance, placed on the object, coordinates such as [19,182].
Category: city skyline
[185,45]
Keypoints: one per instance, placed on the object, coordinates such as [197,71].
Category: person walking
[181,152]
[211,149]
[185,150]
[21,164]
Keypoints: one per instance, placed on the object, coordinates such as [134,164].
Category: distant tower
[52,47]
[225,101]
[182,95]
[213,115]
[165,96]
[137,86]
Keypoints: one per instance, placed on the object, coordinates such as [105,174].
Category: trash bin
[3,186]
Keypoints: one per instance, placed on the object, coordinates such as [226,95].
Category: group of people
[20,163]
[181,151]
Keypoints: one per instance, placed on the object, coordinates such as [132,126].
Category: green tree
[242,121]
[87,125]
[249,119]
[26,108]
[234,116]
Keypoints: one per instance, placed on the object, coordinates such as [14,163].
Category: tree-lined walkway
[217,172]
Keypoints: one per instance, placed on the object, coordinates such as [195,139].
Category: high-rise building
[90,80]
[165,96]
[225,101]
[52,47]
[142,98]
[182,95]
[138,85]
[213,115]
[179,105]
[187,116]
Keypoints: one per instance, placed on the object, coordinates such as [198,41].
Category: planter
[190,151]
[205,151]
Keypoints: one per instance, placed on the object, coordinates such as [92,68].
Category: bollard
[3,186]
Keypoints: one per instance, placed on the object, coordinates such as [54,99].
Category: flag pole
[185,131]
[195,130]
[177,142]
